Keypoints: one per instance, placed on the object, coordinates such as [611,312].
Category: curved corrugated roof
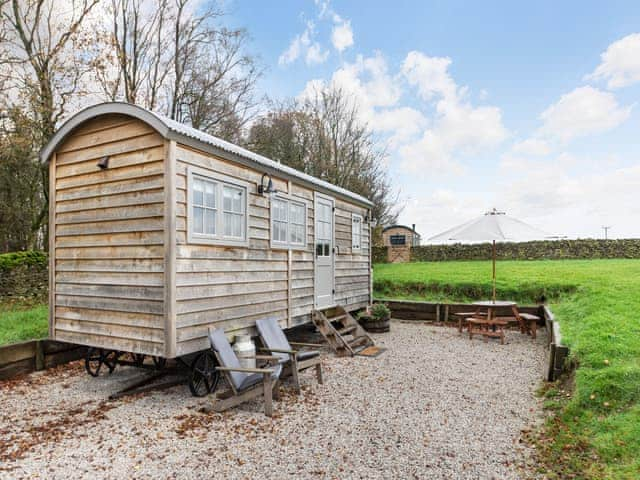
[172,130]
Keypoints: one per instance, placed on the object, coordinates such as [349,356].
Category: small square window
[206,224]
[288,223]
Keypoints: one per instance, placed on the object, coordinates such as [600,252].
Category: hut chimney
[413,227]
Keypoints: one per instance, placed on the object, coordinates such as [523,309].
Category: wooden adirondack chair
[293,360]
[246,383]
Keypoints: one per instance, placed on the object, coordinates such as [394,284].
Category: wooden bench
[487,328]
[531,323]
[463,316]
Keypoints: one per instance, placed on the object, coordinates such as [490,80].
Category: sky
[528,107]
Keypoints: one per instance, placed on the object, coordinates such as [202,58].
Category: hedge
[538,250]
[24,275]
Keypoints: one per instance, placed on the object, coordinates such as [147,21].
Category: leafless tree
[325,137]
[138,35]
[41,69]
[175,57]
[217,95]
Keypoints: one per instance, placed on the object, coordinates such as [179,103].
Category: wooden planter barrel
[375,326]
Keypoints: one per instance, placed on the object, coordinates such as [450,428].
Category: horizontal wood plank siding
[109,250]
[352,269]
[231,287]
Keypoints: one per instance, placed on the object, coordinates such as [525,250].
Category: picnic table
[486,321]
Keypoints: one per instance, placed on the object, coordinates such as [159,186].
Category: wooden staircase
[343,332]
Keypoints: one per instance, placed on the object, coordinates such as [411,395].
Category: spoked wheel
[203,378]
[159,362]
[138,359]
[97,357]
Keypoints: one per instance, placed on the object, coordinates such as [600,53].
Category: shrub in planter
[375,318]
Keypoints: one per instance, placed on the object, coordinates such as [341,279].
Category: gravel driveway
[434,405]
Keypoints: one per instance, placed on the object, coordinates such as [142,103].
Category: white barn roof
[172,130]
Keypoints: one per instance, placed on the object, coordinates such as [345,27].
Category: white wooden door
[323,276]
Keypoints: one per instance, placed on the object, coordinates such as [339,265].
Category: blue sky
[528,107]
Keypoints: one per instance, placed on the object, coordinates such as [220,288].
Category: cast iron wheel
[93,361]
[138,359]
[203,378]
[111,359]
[159,362]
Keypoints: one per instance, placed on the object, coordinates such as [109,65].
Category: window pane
[198,215]
[232,199]
[280,210]
[237,226]
[318,249]
[210,194]
[198,192]
[280,232]
[233,225]
[296,234]
[297,213]
[326,249]
[210,222]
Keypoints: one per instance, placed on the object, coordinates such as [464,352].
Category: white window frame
[219,238]
[288,245]
[355,248]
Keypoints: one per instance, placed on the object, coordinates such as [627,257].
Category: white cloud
[305,44]
[342,35]
[429,74]
[402,123]
[583,111]
[458,126]
[532,146]
[297,45]
[366,81]
[620,63]
[316,55]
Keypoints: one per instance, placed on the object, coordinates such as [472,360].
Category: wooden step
[341,323]
[347,330]
[358,341]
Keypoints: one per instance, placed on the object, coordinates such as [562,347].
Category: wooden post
[52,246]
[170,249]
[494,270]
[289,288]
[39,358]
[289,274]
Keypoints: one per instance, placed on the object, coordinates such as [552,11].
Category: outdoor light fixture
[103,164]
[268,189]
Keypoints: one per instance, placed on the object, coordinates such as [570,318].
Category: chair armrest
[279,350]
[268,358]
[245,370]
[312,345]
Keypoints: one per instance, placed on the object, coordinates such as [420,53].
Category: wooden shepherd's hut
[159,231]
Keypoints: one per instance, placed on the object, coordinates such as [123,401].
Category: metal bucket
[244,347]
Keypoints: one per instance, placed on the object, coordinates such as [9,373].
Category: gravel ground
[434,405]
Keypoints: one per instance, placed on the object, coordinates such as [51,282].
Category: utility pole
[606,231]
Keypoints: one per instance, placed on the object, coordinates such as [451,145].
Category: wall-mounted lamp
[103,164]
[268,188]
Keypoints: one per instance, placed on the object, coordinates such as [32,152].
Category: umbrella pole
[494,271]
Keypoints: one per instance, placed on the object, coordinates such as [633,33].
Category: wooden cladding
[109,238]
[124,274]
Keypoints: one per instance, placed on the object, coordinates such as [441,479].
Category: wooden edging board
[444,312]
[25,357]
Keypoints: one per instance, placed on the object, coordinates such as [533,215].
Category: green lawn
[20,322]
[596,432]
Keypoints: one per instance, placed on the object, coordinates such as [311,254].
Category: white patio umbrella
[493,226]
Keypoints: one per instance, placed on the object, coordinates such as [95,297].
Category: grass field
[23,321]
[596,430]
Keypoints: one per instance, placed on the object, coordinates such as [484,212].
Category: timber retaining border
[33,355]
[444,313]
